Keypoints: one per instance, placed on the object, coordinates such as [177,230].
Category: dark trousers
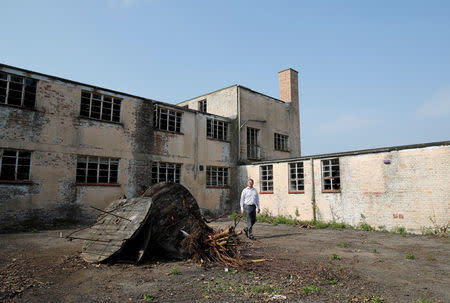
[250,213]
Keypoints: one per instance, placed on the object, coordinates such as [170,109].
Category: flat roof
[356,152]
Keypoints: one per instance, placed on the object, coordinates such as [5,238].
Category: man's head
[250,183]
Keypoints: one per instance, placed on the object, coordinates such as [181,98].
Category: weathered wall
[411,191]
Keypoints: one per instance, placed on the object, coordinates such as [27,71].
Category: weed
[380,260]
[430,257]
[377,300]
[297,213]
[251,273]
[422,300]
[335,257]
[343,245]
[337,295]
[365,226]
[266,289]
[34,230]
[333,281]
[233,270]
[149,297]
[374,250]
[399,230]
[310,289]
[175,271]
[382,228]
[409,256]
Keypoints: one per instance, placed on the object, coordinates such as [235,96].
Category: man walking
[249,203]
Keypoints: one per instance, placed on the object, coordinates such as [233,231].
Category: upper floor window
[101,107]
[216,176]
[266,174]
[167,119]
[15,165]
[331,179]
[216,129]
[97,170]
[166,172]
[202,105]
[296,177]
[281,142]
[17,90]
[253,148]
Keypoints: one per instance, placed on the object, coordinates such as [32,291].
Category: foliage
[343,245]
[149,297]
[410,256]
[365,226]
[175,271]
[335,257]
[310,289]
[399,230]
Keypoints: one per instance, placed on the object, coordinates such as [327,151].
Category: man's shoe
[252,238]
[246,232]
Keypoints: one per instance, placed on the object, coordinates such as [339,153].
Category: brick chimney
[288,82]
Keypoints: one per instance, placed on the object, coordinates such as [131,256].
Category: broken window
[216,129]
[17,90]
[253,150]
[330,175]
[100,107]
[166,119]
[97,170]
[15,165]
[166,172]
[296,177]
[266,176]
[216,176]
[281,142]
[202,105]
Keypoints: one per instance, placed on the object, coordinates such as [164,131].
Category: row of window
[15,166]
[331,180]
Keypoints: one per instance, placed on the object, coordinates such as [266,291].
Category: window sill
[13,182]
[168,131]
[296,192]
[19,107]
[100,120]
[98,184]
[218,186]
[213,139]
[282,150]
[265,192]
[331,191]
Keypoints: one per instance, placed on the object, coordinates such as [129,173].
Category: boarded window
[15,165]
[166,172]
[253,150]
[281,142]
[331,179]
[217,129]
[266,177]
[100,107]
[97,170]
[166,119]
[216,176]
[296,177]
[17,90]
[202,106]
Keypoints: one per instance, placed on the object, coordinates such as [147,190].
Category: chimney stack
[288,83]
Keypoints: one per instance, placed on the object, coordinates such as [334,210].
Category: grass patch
[399,230]
[377,300]
[382,228]
[364,226]
[149,297]
[410,256]
[343,245]
[267,289]
[335,257]
[175,271]
[310,289]
[333,281]
[422,300]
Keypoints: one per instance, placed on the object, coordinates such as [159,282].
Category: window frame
[297,179]
[251,146]
[102,103]
[17,158]
[225,177]
[98,161]
[202,105]
[177,167]
[178,119]
[212,129]
[329,164]
[281,142]
[23,91]
[266,184]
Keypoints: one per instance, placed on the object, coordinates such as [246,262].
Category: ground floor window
[266,177]
[15,165]
[217,176]
[97,170]
[166,172]
[296,177]
[331,180]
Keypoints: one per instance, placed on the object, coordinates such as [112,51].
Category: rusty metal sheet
[119,222]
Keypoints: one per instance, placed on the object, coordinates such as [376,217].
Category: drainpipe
[239,122]
[313,191]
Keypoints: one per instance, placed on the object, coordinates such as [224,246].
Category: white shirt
[249,196]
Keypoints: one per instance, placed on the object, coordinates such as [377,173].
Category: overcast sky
[372,73]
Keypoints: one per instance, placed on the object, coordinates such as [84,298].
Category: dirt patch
[305,265]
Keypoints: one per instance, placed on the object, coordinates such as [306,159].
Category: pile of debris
[165,222]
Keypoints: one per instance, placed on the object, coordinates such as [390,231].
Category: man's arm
[242,201]
[257,201]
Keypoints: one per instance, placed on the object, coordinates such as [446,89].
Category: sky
[371,73]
